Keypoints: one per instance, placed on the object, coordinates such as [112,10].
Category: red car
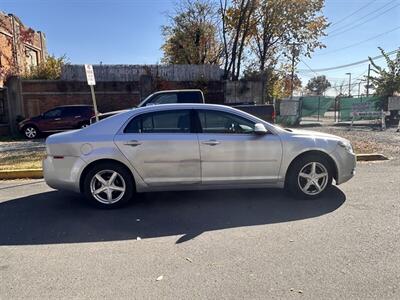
[60,118]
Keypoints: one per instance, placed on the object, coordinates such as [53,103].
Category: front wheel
[108,185]
[309,177]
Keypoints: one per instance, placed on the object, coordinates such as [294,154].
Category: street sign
[92,82]
[90,75]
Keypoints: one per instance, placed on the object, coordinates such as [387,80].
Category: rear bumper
[63,174]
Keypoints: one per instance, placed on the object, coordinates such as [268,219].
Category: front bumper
[63,173]
[346,164]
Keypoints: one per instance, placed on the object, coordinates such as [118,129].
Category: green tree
[318,85]
[191,37]
[49,69]
[387,81]
[282,23]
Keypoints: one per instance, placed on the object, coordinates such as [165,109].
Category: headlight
[346,145]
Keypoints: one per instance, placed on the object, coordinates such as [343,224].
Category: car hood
[313,134]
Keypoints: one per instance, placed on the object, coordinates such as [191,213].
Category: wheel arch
[30,125]
[315,152]
[103,160]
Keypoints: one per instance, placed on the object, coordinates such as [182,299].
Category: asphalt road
[256,244]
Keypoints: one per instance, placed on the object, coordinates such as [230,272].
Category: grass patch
[17,160]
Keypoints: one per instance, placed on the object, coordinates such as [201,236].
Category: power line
[309,67]
[362,17]
[352,64]
[353,13]
[359,24]
[359,43]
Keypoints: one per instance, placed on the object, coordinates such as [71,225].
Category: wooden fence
[134,72]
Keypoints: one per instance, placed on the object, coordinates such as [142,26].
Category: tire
[303,183]
[111,192]
[30,132]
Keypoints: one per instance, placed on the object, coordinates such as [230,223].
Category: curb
[19,174]
[371,157]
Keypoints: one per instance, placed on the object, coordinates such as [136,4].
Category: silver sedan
[191,147]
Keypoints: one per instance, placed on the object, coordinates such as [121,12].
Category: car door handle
[57,119]
[77,117]
[132,143]
[211,142]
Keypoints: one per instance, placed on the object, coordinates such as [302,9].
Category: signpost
[92,82]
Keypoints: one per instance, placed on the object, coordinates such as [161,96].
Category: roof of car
[181,105]
[177,91]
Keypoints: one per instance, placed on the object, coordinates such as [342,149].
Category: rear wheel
[309,176]
[108,185]
[30,132]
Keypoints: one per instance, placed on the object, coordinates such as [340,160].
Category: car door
[162,147]
[51,120]
[231,152]
[68,117]
[73,116]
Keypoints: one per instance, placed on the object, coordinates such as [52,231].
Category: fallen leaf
[188,259]
[300,291]
[160,278]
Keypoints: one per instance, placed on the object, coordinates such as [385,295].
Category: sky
[129,32]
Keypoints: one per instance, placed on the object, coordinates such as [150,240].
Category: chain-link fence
[324,109]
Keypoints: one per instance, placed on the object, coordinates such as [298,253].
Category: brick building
[21,47]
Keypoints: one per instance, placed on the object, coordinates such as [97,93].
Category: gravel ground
[366,140]
[22,145]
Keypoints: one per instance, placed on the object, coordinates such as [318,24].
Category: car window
[222,122]
[190,97]
[174,121]
[54,113]
[164,99]
[73,111]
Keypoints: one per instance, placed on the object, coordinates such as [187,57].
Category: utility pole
[294,54]
[369,71]
[349,83]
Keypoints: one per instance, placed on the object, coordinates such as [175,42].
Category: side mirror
[259,128]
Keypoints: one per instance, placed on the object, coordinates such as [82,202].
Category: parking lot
[211,244]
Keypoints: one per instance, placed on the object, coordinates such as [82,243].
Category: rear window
[190,97]
[164,99]
[76,111]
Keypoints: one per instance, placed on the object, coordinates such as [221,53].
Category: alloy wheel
[30,132]
[313,178]
[107,186]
